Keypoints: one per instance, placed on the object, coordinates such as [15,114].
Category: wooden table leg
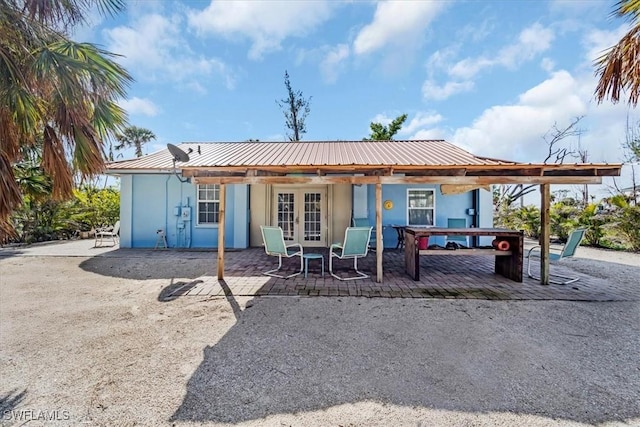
[411,256]
[511,266]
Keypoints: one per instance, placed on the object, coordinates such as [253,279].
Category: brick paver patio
[441,277]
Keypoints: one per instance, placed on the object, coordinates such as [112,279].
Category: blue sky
[491,77]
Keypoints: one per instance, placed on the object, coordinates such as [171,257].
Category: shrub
[628,225]
[563,219]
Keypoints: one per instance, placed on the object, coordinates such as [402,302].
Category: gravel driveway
[94,348]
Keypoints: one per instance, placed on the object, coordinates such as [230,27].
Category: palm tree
[55,92]
[619,68]
[134,136]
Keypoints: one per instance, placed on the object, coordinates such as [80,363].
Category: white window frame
[433,208]
[213,200]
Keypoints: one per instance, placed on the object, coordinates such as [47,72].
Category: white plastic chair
[107,233]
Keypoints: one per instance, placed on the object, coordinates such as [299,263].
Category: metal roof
[311,153]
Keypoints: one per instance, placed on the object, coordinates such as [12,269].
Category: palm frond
[10,196]
[55,164]
[618,69]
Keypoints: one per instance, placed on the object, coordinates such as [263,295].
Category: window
[421,207]
[208,204]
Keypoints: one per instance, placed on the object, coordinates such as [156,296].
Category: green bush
[595,223]
[628,225]
[92,208]
[526,218]
[563,218]
[41,219]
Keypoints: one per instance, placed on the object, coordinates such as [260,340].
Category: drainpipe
[475,198]
[166,207]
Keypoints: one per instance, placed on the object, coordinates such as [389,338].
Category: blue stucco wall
[447,206]
[149,202]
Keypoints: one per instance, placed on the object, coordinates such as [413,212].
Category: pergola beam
[468,180]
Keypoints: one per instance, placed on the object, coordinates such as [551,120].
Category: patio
[468,277]
[463,277]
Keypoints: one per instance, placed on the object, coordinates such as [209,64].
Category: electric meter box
[186,213]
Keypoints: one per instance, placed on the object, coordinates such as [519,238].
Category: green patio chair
[274,245]
[364,222]
[568,250]
[355,245]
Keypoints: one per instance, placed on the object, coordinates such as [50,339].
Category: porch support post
[221,227]
[379,247]
[545,232]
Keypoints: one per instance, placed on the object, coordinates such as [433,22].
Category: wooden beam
[545,231]
[379,248]
[398,179]
[438,172]
[221,227]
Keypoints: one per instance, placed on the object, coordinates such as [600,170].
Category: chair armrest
[295,244]
[536,247]
[334,246]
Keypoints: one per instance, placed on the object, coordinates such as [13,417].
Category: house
[220,193]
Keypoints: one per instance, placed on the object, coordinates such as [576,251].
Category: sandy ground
[101,347]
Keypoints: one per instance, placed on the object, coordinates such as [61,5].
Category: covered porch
[456,177]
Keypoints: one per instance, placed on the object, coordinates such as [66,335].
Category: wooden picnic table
[507,263]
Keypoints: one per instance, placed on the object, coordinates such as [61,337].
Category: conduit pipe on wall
[166,207]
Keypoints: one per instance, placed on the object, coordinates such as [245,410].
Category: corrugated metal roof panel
[312,153]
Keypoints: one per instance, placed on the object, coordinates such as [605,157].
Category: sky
[492,77]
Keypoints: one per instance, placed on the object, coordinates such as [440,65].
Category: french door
[301,212]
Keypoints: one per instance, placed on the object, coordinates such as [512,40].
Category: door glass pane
[286,214]
[312,217]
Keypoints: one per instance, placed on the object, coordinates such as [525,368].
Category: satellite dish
[178,154]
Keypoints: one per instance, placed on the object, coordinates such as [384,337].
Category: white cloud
[435,133]
[432,91]
[441,59]
[515,132]
[531,41]
[396,22]
[422,119]
[265,23]
[139,106]
[547,64]
[333,62]
[382,118]
[597,41]
[154,48]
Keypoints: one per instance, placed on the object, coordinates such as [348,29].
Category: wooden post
[221,227]
[379,247]
[545,232]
